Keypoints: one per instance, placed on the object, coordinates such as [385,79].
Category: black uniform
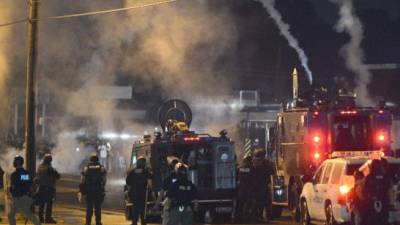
[137,182]
[21,190]
[172,178]
[46,178]
[178,209]
[263,171]
[94,179]
[246,191]
[375,191]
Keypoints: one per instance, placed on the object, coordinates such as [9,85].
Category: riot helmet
[181,170]
[172,161]
[47,159]
[94,158]
[260,153]
[18,161]
[141,162]
[375,166]
[247,160]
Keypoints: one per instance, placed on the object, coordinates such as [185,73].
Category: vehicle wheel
[330,219]
[305,216]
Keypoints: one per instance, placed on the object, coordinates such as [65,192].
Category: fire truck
[313,128]
[211,161]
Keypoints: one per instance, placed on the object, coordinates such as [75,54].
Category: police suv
[326,197]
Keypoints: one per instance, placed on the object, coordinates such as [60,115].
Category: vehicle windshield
[352,133]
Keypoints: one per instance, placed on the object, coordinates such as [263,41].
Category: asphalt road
[67,195]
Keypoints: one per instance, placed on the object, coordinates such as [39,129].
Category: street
[69,211]
[220,107]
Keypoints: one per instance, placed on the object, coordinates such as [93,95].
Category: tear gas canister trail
[284,28]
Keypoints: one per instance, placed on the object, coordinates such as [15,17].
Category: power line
[14,22]
[88,13]
[108,11]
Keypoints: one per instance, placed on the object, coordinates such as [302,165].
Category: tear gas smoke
[7,156]
[352,51]
[179,48]
[65,158]
[213,115]
[7,53]
[284,28]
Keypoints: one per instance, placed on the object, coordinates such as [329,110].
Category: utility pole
[30,153]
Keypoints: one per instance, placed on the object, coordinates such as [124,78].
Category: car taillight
[344,190]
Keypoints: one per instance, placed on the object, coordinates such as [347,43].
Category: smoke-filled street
[67,200]
[200,111]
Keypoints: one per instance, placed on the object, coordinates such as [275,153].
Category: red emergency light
[348,112]
[381,111]
[317,156]
[381,137]
[191,139]
[316,139]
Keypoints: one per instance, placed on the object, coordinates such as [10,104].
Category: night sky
[265,56]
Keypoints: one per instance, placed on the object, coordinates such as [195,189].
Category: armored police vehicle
[211,160]
[313,128]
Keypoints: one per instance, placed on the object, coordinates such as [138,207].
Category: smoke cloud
[285,31]
[7,54]
[352,51]
[180,47]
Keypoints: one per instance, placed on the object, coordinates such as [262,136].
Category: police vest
[94,177]
[21,183]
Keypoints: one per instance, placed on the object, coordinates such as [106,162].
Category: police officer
[20,191]
[170,179]
[246,189]
[137,186]
[46,179]
[178,207]
[263,170]
[375,191]
[92,185]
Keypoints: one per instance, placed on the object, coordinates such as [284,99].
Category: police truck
[313,128]
[211,160]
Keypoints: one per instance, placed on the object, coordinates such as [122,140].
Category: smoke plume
[284,28]
[352,51]
[181,48]
[6,56]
